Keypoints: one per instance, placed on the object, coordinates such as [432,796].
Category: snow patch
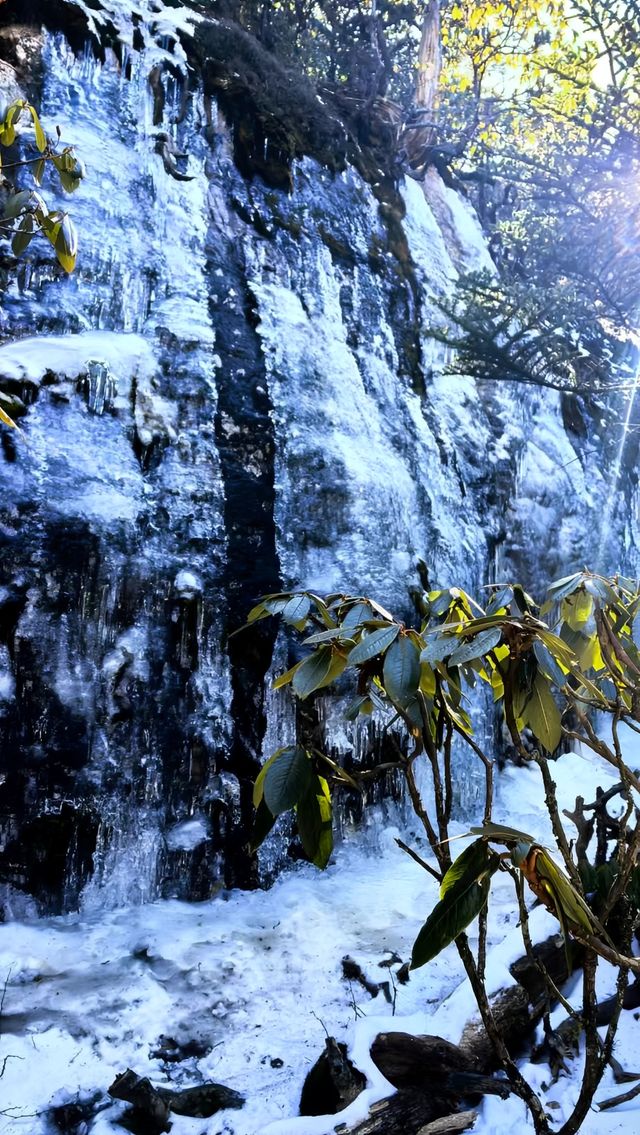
[187,835]
[30,359]
[256,977]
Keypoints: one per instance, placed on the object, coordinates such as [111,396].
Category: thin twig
[551,801]
[613,1101]
[528,944]
[418,859]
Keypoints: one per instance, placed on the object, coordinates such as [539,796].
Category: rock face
[233,393]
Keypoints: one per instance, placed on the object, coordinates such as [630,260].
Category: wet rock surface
[234,393]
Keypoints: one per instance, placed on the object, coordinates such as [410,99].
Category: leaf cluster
[552,336]
[550,668]
[547,666]
[25,212]
[288,781]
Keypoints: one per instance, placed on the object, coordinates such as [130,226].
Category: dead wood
[147,1103]
[417,1061]
[450,1124]
[548,957]
[153,1105]
[431,1064]
[515,1020]
[333,1082]
[405,1113]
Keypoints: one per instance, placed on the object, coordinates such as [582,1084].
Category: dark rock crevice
[246,446]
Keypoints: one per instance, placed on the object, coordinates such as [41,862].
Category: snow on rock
[187,835]
[29,360]
[459,225]
[188,584]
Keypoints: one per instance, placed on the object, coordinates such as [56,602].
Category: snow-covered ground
[256,977]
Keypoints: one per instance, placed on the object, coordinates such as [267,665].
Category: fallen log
[149,1109]
[450,1124]
[433,1076]
[549,956]
[515,1019]
[519,1008]
[152,1105]
[431,1064]
[407,1113]
[202,1101]
[416,1061]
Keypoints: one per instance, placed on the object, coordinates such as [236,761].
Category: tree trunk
[429,59]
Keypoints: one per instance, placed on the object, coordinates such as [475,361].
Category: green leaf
[23,235]
[38,171]
[284,679]
[480,645]
[472,863]
[548,664]
[440,603]
[258,612]
[17,203]
[461,904]
[323,636]
[522,599]
[68,163]
[262,610]
[461,718]
[602,590]
[565,895]
[582,646]
[427,679]
[66,244]
[413,714]
[520,692]
[258,786]
[286,780]
[41,141]
[357,614]
[14,111]
[438,647]
[312,672]
[296,611]
[401,672]
[373,644]
[360,705]
[337,666]
[262,825]
[323,610]
[542,715]
[382,611]
[49,222]
[560,649]
[276,604]
[4,417]
[500,833]
[499,599]
[315,821]
[497,685]
[565,586]
[577,609]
